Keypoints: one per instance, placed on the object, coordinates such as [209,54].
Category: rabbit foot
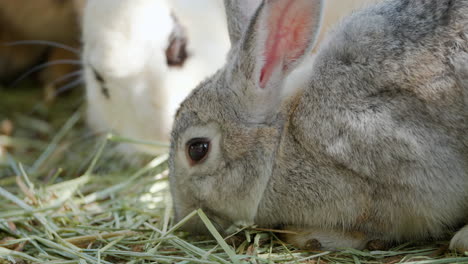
[378,244]
[313,239]
[460,241]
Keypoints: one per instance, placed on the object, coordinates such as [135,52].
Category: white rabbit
[372,144]
[125,66]
[131,90]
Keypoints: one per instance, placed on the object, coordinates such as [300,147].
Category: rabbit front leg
[320,239]
[460,241]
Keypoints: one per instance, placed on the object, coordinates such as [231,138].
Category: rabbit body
[370,143]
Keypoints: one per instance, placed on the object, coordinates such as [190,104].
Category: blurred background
[35,32]
[122,66]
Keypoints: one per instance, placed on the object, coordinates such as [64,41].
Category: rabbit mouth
[196,226]
[221,223]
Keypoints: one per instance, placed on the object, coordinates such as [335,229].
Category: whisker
[42,66]
[67,76]
[68,86]
[43,42]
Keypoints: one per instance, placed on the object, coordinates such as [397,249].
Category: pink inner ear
[289,32]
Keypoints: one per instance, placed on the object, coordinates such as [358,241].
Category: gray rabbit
[365,140]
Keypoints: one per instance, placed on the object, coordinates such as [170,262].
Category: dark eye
[197,150]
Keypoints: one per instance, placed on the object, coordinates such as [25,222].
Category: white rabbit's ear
[281,34]
[238,15]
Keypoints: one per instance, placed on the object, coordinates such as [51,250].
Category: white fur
[125,42]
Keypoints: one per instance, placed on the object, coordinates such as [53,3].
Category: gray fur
[374,144]
[238,14]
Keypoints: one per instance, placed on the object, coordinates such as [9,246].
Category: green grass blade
[232,255]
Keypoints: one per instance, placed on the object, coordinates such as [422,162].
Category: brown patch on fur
[239,141]
[363,217]
[428,78]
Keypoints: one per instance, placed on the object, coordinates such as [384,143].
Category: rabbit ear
[238,14]
[280,36]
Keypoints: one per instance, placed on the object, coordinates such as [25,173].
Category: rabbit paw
[312,239]
[460,241]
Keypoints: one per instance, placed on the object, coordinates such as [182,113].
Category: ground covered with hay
[66,197]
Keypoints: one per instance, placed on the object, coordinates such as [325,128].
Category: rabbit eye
[197,150]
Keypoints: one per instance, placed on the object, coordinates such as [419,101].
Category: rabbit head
[127,46]
[343,156]
[227,131]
